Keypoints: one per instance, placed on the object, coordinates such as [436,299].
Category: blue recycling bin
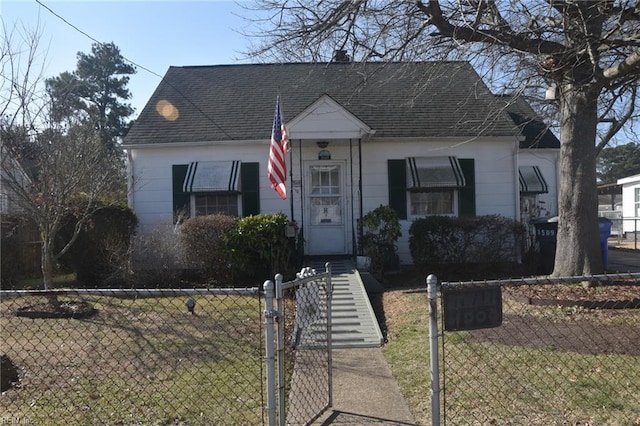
[604,226]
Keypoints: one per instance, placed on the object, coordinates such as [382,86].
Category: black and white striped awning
[434,173]
[212,176]
[532,181]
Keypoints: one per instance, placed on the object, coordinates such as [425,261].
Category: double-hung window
[433,183]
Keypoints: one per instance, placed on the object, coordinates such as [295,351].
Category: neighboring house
[424,138]
[630,204]
[609,197]
[12,178]
[20,239]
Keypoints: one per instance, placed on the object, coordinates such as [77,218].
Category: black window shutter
[467,195]
[250,186]
[180,198]
[397,174]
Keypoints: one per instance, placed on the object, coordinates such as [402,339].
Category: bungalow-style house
[425,138]
[630,205]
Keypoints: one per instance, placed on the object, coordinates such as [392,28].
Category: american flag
[277,169]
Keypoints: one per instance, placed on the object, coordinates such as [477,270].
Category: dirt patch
[584,336]
[608,296]
[70,309]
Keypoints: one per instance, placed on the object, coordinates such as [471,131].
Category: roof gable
[326,118]
[535,131]
[397,100]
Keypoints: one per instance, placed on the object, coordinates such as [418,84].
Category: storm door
[326,215]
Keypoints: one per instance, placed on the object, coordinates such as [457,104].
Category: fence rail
[134,357]
[524,358]
[625,229]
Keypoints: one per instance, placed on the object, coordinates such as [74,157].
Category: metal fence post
[432,291]
[269,315]
[280,350]
[329,290]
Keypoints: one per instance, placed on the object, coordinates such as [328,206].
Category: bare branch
[504,36]
[619,123]
[628,65]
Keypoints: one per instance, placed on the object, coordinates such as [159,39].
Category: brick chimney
[340,55]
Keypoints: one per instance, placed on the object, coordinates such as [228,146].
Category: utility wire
[138,66]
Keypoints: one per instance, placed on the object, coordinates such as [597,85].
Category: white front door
[325,208]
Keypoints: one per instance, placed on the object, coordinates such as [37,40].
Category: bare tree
[589,50]
[50,172]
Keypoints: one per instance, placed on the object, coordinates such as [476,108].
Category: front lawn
[543,366]
[137,361]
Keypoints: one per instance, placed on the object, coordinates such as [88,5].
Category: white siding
[494,163]
[496,184]
[629,186]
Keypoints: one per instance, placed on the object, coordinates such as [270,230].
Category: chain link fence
[134,357]
[545,359]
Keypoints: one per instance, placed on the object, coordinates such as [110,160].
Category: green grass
[144,361]
[492,380]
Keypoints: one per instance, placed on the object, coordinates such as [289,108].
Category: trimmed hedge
[204,240]
[237,251]
[442,240]
[259,248]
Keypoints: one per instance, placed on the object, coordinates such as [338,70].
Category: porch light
[324,155]
[322,144]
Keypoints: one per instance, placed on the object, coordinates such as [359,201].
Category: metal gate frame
[275,329]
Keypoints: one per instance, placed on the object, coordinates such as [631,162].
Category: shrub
[379,230]
[203,240]
[491,239]
[259,247]
[20,249]
[100,254]
[156,260]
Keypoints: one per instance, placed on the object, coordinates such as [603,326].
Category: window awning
[532,181]
[212,176]
[434,173]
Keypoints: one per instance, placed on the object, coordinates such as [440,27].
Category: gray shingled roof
[236,102]
[535,131]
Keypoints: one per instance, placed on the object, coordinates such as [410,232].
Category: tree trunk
[46,265]
[578,242]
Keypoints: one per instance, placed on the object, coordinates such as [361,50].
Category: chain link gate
[298,347]
[529,362]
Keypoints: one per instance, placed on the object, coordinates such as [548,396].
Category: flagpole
[291,182]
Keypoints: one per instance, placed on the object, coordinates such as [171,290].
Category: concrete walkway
[364,390]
